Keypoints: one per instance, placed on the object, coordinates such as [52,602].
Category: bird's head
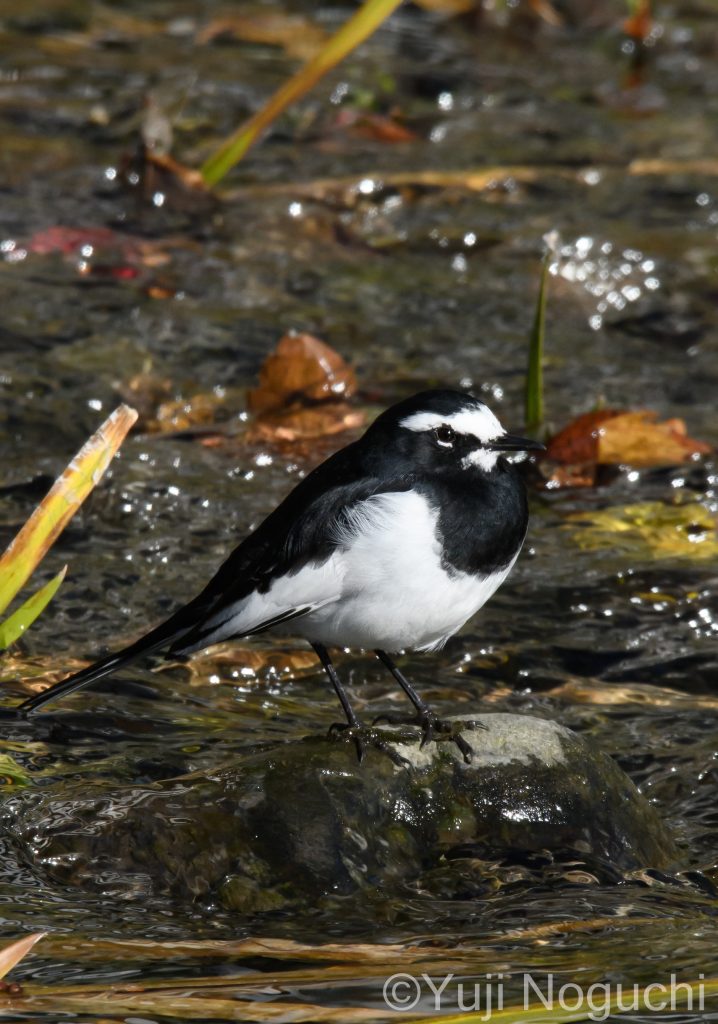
[445,429]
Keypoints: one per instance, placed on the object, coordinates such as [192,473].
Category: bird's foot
[363,737]
[437,730]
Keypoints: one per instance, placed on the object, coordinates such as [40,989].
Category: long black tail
[162,636]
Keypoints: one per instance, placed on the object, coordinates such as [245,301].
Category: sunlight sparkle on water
[614,279]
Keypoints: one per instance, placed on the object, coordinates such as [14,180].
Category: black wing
[302,530]
[299,531]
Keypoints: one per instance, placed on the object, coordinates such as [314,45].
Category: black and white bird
[391,544]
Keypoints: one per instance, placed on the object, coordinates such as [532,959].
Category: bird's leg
[341,693]
[429,721]
[354,729]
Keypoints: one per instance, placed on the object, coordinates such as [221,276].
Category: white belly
[392,592]
[384,587]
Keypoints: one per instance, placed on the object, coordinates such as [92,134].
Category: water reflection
[615,278]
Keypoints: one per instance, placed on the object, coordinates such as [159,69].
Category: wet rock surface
[296,821]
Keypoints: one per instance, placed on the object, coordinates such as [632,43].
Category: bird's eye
[445,435]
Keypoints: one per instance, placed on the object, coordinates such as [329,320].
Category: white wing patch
[383,587]
[307,590]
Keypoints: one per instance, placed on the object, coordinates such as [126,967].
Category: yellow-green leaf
[14,626]
[649,529]
[64,498]
[361,25]
[11,773]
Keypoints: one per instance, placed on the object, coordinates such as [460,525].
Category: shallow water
[416,286]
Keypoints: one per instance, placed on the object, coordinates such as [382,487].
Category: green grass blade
[15,625]
[533,399]
[366,20]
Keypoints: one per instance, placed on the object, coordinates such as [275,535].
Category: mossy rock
[305,819]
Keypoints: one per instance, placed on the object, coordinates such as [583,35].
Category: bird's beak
[511,443]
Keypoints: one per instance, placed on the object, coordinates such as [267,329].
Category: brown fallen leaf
[577,443]
[183,413]
[160,291]
[163,413]
[145,391]
[581,474]
[707,166]
[613,437]
[547,12]
[594,691]
[641,440]
[301,397]
[380,127]
[302,368]
[32,674]
[228,662]
[638,26]
[306,424]
[297,35]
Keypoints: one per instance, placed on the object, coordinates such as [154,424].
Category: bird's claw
[363,737]
[337,728]
[435,729]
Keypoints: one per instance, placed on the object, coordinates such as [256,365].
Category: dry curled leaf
[640,439]
[301,369]
[303,387]
[577,443]
[615,437]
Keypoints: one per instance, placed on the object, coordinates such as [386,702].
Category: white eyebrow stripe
[481,423]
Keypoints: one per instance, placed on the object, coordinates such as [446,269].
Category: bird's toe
[435,729]
[365,738]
